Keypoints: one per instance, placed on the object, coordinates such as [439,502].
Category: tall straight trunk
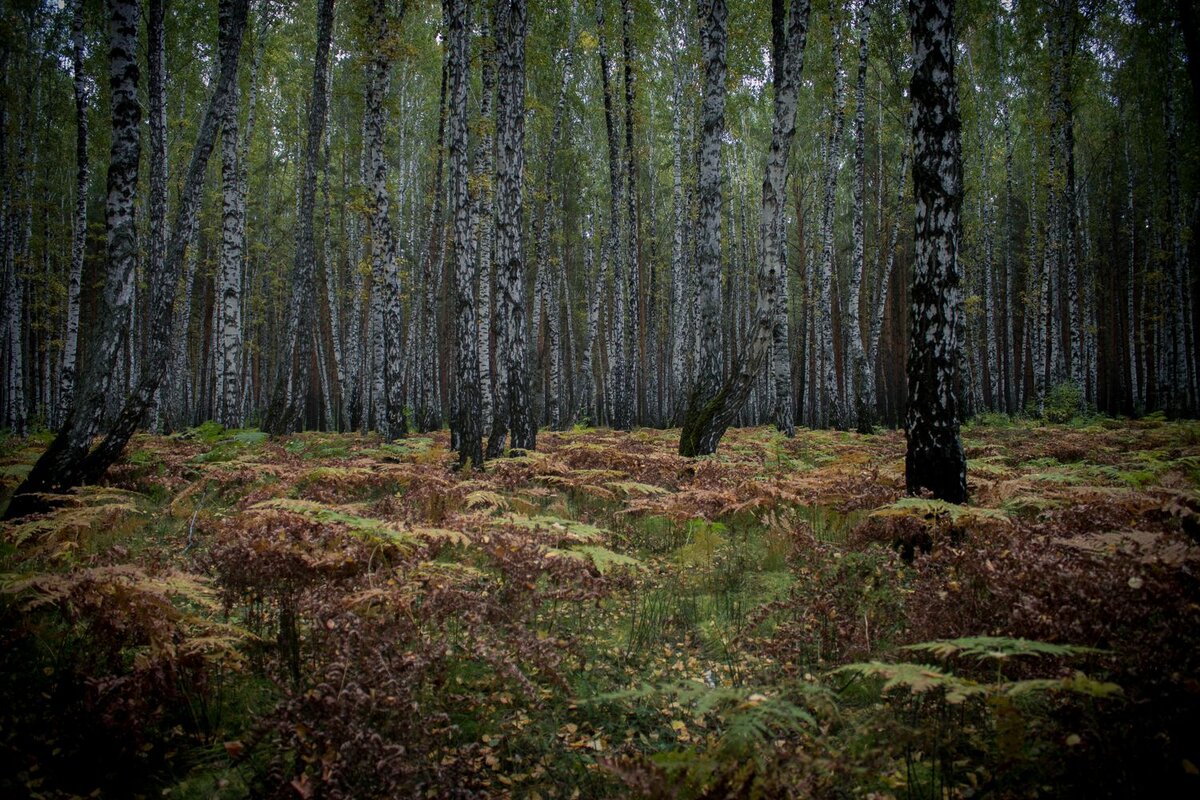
[1136,398]
[545,262]
[935,458]
[79,229]
[1069,225]
[1176,378]
[1012,359]
[467,404]
[831,408]
[292,377]
[513,412]
[483,213]
[67,462]
[232,268]
[617,405]
[988,373]
[858,352]
[698,436]
[708,418]
[428,406]
[157,95]
[592,388]
[678,278]
[384,267]
[635,366]
[885,280]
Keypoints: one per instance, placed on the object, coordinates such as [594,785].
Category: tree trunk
[829,397]
[864,414]
[384,268]
[709,417]
[698,436]
[514,409]
[483,214]
[467,403]
[232,267]
[292,377]
[79,231]
[67,462]
[935,458]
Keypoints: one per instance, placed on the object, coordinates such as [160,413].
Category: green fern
[601,558]
[997,648]
[749,718]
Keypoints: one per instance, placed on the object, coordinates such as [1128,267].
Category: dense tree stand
[935,458]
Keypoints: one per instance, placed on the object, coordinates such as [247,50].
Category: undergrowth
[328,616]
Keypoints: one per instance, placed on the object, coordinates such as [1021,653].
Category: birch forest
[602,398]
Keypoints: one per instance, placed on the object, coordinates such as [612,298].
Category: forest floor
[328,615]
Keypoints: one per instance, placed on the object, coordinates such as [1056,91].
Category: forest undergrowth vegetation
[328,615]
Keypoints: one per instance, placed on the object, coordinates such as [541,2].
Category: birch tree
[292,372]
[513,410]
[467,403]
[934,459]
[707,423]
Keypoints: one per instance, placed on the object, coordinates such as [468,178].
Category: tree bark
[79,231]
[935,458]
[708,418]
[467,403]
[513,412]
[67,462]
[292,376]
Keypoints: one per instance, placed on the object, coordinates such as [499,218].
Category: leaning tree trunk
[67,462]
[513,409]
[60,467]
[466,406]
[291,380]
[79,231]
[708,419]
[935,458]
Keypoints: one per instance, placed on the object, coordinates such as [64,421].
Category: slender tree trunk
[384,267]
[483,214]
[292,378]
[467,403]
[708,418]
[829,394]
[428,406]
[79,231]
[697,437]
[67,462]
[511,26]
[1012,360]
[232,269]
[864,414]
[617,405]
[935,458]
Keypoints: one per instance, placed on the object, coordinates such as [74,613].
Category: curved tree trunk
[709,418]
[67,462]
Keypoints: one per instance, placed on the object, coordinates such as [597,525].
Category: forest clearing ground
[234,615]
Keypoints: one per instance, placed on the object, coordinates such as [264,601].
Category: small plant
[1063,403]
